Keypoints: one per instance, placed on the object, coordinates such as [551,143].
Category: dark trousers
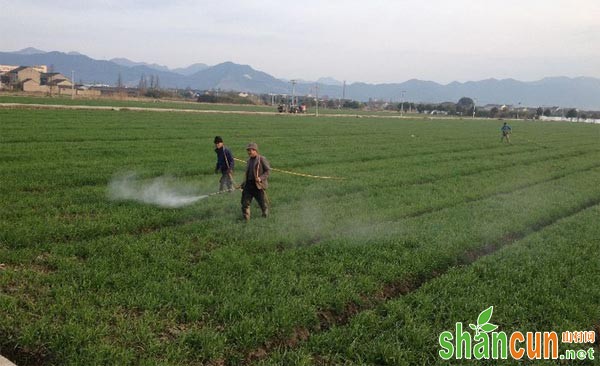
[251,191]
[225,182]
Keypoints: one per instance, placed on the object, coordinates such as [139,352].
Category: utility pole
[402,102]
[72,84]
[317,95]
[293,91]
[518,107]
[474,104]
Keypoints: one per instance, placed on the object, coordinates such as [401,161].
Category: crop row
[89,281]
[545,282]
[231,299]
[75,214]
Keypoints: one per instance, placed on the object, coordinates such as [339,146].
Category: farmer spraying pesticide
[165,192]
[255,184]
[225,164]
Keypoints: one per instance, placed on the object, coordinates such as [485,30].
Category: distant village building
[37,79]
[7,68]
[22,73]
[489,107]
[31,79]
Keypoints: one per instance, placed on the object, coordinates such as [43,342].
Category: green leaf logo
[485,316]
[483,322]
[488,327]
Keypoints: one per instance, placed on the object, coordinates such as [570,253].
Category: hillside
[581,92]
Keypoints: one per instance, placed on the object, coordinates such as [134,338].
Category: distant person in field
[224,165]
[506,131]
[255,182]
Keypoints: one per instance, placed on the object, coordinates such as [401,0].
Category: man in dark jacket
[224,164]
[506,131]
[256,182]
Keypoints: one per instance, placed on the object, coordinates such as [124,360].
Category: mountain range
[580,92]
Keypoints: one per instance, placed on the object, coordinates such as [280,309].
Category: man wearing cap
[257,174]
[224,164]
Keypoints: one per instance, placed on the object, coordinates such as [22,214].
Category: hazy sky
[371,41]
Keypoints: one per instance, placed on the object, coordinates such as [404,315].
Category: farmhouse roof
[56,82]
[20,68]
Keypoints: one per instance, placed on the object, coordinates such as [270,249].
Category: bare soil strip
[136,109]
[209,111]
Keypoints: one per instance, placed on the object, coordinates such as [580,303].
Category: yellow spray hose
[294,173]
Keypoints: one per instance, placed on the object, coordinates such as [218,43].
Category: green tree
[142,85]
[539,111]
[351,104]
[465,105]
[449,107]
[494,112]
[572,113]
